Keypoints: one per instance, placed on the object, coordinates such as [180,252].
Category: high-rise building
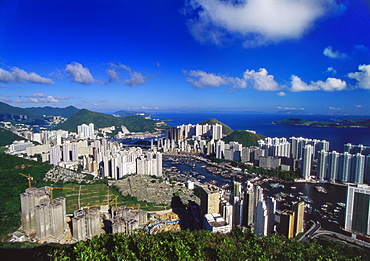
[307,162]
[271,209]
[344,169]
[333,161]
[261,219]
[249,204]
[298,208]
[286,226]
[209,201]
[357,168]
[357,217]
[322,164]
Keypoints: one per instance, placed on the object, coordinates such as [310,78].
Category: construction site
[91,210]
[45,220]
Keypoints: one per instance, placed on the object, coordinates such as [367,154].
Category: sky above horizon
[301,56]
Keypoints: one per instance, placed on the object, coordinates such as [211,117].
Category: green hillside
[7,137]
[53,111]
[246,138]
[101,120]
[226,130]
[16,111]
[350,123]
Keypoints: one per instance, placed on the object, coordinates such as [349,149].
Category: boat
[293,187]
[213,182]
[321,189]
[341,204]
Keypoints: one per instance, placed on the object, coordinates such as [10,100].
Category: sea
[263,125]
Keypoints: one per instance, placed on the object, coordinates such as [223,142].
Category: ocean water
[262,124]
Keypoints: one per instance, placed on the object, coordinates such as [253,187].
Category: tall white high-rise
[357,217]
[307,162]
[322,164]
[261,220]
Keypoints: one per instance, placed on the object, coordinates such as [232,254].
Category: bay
[262,124]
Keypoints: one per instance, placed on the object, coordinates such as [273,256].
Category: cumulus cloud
[256,22]
[281,94]
[329,52]
[331,84]
[362,77]
[136,77]
[202,79]
[19,75]
[261,80]
[78,73]
[41,97]
[334,108]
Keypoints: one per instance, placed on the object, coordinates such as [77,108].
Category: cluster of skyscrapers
[247,207]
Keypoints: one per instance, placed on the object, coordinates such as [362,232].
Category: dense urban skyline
[301,56]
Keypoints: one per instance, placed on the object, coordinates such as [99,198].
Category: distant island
[347,123]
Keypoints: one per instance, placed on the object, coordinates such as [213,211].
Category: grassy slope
[246,138]
[101,120]
[7,137]
[226,130]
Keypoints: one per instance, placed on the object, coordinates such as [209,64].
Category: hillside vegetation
[53,111]
[7,137]
[101,120]
[204,245]
[226,130]
[351,123]
[12,184]
[246,138]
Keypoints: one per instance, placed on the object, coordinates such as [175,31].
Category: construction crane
[28,177]
[102,204]
[51,189]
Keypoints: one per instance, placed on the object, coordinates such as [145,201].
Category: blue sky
[304,56]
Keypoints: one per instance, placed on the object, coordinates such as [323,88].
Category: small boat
[321,189]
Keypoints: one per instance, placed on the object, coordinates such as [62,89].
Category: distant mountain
[349,123]
[8,112]
[7,137]
[123,114]
[53,111]
[226,130]
[246,138]
[101,120]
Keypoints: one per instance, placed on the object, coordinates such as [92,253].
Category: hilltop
[53,111]
[101,120]
[246,138]
[349,123]
[226,130]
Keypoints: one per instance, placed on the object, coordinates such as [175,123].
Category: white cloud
[331,84]
[290,108]
[79,73]
[205,79]
[4,99]
[256,22]
[19,75]
[41,97]
[334,108]
[362,77]
[329,52]
[261,80]
[113,75]
[281,94]
[136,77]
[331,70]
